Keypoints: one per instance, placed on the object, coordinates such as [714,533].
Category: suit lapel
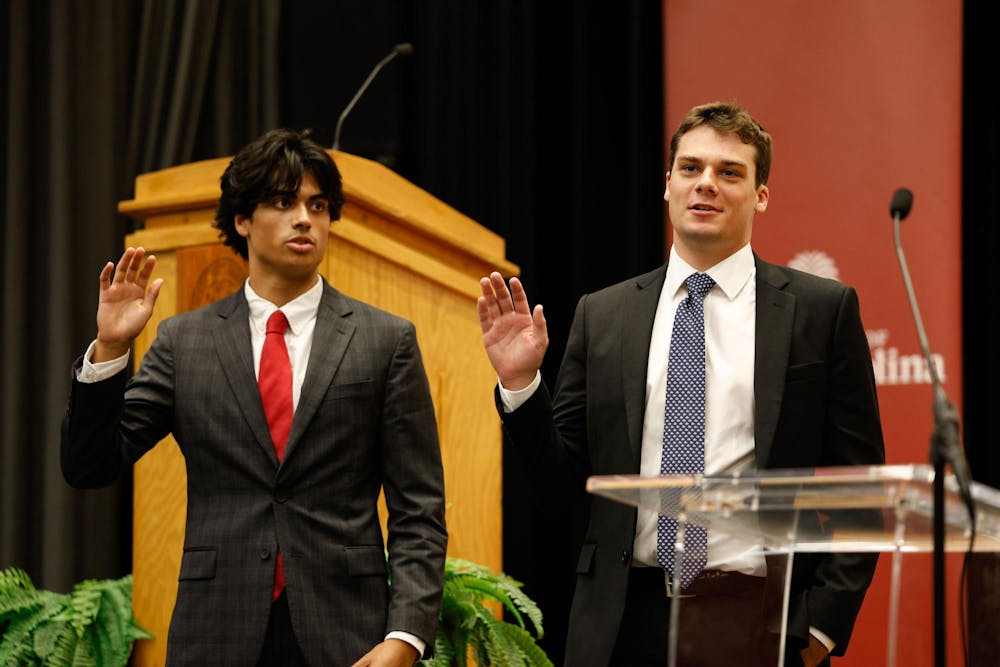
[773,339]
[331,336]
[235,350]
[636,328]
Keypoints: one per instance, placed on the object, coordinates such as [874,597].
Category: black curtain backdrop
[980,319]
[94,93]
[541,120]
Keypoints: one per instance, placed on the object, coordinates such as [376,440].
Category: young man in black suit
[788,383]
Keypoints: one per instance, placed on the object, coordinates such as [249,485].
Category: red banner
[861,98]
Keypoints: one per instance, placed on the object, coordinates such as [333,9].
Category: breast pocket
[363,390]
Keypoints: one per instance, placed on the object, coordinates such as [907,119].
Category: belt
[708,582]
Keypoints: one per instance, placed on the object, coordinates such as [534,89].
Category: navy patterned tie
[684,424]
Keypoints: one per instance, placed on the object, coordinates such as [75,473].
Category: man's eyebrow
[700,160]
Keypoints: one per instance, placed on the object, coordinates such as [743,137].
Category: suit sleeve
[108,425]
[413,481]
[853,437]
[550,438]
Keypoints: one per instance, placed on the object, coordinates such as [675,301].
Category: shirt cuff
[412,640]
[823,638]
[512,400]
[90,372]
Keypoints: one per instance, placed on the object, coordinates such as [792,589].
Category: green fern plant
[468,627]
[91,626]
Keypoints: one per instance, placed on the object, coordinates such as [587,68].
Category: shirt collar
[299,310]
[731,274]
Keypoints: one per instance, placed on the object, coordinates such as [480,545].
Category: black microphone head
[403,49]
[901,202]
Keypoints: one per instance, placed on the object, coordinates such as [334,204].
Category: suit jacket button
[280,498]
[626,557]
[265,554]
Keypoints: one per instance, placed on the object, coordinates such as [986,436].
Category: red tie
[275,384]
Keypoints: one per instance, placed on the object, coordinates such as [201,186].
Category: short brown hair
[729,118]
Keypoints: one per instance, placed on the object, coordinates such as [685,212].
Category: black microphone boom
[945,442]
[403,50]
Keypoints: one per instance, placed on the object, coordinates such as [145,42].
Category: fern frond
[501,588]
[92,626]
[469,628]
[12,578]
[531,652]
[17,592]
[46,637]
[461,639]
[64,648]
[444,653]
[81,610]
[498,651]
[17,641]
[492,590]
[109,635]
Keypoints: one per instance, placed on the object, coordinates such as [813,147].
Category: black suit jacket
[814,405]
[364,421]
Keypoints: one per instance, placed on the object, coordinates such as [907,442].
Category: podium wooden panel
[396,247]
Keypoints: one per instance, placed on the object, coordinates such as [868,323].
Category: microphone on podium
[945,445]
[403,50]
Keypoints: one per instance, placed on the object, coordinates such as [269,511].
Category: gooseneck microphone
[403,49]
[899,207]
[945,446]
[946,440]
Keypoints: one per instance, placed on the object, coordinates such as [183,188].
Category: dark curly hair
[729,118]
[273,163]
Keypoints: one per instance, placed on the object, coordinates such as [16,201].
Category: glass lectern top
[853,508]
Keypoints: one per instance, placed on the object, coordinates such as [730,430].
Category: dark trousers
[723,624]
[280,646]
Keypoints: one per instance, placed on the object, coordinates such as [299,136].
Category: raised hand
[126,302]
[515,337]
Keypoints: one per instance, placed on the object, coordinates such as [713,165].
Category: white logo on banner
[815,262]
[891,367]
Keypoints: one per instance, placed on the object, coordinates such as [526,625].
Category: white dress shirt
[730,315]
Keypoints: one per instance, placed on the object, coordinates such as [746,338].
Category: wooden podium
[395,247]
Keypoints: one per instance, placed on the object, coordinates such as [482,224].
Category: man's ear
[666,189]
[242,224]
[763,195]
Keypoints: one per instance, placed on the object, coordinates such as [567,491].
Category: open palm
[126,299]
[515,337]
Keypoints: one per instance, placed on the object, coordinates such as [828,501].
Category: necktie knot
[277,323]
[698,285]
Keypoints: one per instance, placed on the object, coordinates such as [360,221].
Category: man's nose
[301,213]
[707,183]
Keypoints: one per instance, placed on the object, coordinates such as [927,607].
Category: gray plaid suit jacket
[364,421]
